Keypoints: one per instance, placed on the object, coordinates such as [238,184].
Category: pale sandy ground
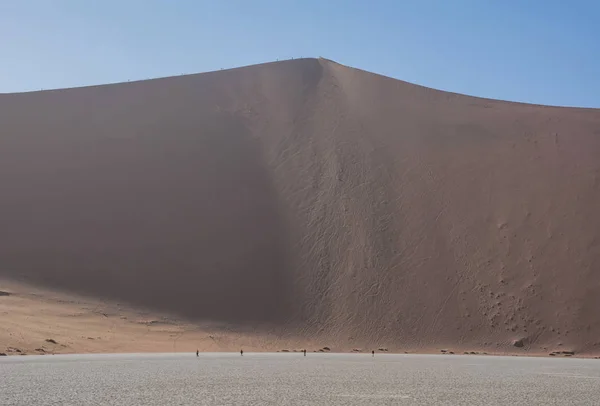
[303,198]
[29,316]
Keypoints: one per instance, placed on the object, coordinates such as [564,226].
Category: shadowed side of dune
[177,214]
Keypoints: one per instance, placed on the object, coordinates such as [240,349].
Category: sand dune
[314,200]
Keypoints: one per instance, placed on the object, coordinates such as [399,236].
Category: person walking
[197,353]
[242,353]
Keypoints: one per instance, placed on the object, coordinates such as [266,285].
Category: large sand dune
[312,199]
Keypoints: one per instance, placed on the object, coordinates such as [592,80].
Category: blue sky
[535,51]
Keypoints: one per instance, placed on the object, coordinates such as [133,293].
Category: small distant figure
[242,353]
[373,353]
[197,353]
[304,351]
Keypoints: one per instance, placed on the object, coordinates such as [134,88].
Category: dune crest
[313,199]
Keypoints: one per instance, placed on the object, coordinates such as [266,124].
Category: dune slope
[312,199]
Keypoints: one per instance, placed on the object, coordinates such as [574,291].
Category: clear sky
[539,51]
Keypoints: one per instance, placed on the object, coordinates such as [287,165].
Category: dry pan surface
[291,379]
